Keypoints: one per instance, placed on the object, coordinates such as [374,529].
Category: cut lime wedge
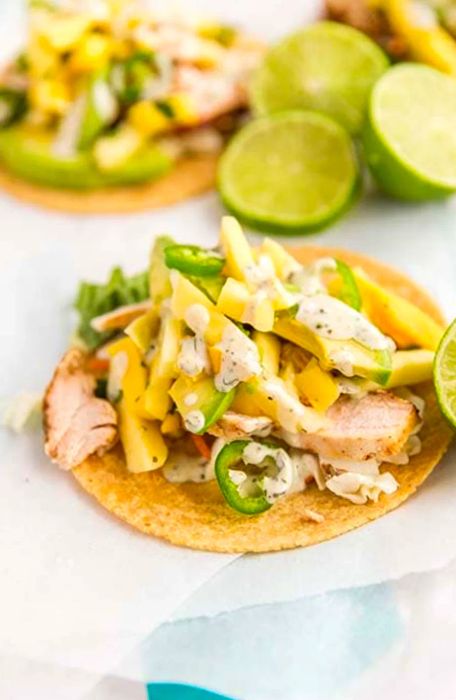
[445,374]
[289,172]
[327,67]
[410,137]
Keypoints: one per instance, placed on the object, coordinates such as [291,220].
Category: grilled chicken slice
[376,426]
[234,426]
[76,423]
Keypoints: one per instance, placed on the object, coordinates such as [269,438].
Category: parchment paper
[81,590]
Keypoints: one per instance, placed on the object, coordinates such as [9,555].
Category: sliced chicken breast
[376,426]
[76,422]
[234,426]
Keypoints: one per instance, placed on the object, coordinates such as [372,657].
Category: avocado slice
[28,154]
[375,365]
[200,397]
[411,367]
[100,110]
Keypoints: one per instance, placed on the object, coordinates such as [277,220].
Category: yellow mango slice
[318,386]
[397,317]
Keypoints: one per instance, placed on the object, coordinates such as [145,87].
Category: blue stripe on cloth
[311,649]
[176,691]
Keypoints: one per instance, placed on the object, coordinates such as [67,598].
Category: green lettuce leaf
[96,299]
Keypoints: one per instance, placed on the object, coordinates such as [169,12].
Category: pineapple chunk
[144,447]
[133,382]
[146,118]
[172,425]
[284,263]
[318,386]
[238,254]
[238,303]
[63,33]
[269,348]
[183,109]
[184,295]
[91,54]
[288,375]
[163,370]
[143,444]
[50,96]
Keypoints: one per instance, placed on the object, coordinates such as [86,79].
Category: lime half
[410,137]
[445,374]
[289,172]
[327,67]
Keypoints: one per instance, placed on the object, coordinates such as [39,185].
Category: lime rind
[445,374]
[259,204]
[304,71]
[395,146]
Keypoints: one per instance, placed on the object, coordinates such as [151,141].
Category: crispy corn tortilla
[196,515]
[190,177]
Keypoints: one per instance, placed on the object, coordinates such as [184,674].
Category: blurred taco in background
[111,107]
[237,399]
[421,30]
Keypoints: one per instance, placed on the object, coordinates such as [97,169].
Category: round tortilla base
[196,515]
[190,177]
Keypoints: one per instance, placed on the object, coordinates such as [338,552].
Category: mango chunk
[237,302]
[144,447]
[397,317]
[317,386]
[269,348]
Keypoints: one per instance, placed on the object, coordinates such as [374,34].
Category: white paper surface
[78,588]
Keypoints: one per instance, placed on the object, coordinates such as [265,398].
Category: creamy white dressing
[357,388]
[194,421]
[193,358]
[292,415]
[240,359]
[277,485]
[264,283]
[191,399]
[343,360]
[181,467]
[330,318]
[197,318]
[308,279]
